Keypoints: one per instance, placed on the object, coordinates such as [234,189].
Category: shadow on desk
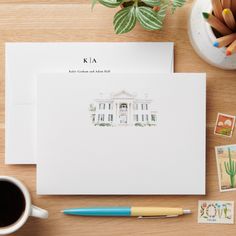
[34,227]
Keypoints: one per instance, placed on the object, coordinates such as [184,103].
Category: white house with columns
[123,109]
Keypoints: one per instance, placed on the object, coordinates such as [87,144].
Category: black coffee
[12,203]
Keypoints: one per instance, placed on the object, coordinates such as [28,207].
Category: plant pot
[202,37]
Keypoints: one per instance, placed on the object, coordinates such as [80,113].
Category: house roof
[123,95]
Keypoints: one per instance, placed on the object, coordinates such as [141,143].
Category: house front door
[123,114]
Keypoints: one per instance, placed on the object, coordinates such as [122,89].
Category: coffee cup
[15,205]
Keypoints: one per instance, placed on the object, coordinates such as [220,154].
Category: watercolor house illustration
[123,109]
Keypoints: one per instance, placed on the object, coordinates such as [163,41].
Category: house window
[110,117]
[153,117]
[93,118]
[102,106]
[146,117]
[136,118]
[146,106]
[102,117]
[98,117]
[142,106]
[123,107]
[142,117]
[109,106]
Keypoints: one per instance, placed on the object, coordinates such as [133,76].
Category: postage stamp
[224,125]
[216,212]
[226,167]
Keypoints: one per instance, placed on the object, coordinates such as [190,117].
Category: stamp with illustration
[224,125]
[216,212]
[226,167]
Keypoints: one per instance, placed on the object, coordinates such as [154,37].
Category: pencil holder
[202,37]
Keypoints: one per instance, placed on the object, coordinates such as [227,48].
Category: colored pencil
[229,18]
[233,7]
[224,41]
[226,4]
[231,49]
[217,9]
[216,24]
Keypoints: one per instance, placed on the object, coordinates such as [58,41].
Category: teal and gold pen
[128,211]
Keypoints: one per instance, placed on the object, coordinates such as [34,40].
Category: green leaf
[93,3]
[152,3]
[111,3]
[161,14]
[148,18]
[124,20]
[177,3]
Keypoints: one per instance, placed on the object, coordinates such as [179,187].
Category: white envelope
[25,60]
[121,134]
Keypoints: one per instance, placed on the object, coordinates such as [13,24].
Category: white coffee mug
[30,210]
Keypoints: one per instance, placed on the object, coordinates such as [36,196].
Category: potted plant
[149,13]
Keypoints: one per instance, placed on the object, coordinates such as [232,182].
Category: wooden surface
[70,20]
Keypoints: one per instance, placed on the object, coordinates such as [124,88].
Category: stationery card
[216,212]
[226,167]
[121,134]
[224,125]
[25,60]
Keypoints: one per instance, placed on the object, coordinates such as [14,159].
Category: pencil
[233,7]
[216,24]
[224,41]
[217,9]
[229,18]
[231,49]
[226,3]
